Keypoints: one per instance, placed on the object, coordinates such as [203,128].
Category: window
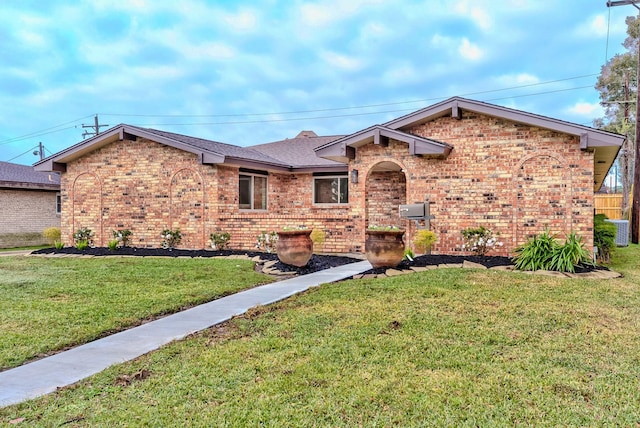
[331,190]
[58,203]
[253,192]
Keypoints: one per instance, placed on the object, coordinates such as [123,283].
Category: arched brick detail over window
[542,197]
[87,205]
[187,207]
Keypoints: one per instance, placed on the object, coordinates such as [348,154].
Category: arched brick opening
[386,188]
[187,207]
[86,206]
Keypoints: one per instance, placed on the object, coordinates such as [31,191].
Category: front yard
[49,304]
[446,347]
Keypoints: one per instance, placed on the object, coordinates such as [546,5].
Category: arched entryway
[187,207]
[386,188]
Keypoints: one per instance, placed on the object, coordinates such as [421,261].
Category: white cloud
[243,21]
[344,62]
[520,79]
[469,50]
[327,13]
[478,16]
[588,110]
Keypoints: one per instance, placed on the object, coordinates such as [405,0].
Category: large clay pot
[384,248]
[294,247]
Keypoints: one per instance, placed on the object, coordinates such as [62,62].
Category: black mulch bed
[317,262]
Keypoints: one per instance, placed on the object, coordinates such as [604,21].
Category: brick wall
[24,215]
[146,187]
[516,180]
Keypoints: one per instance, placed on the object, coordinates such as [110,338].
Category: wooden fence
[609,205]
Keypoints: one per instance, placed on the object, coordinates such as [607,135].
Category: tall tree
[617,85]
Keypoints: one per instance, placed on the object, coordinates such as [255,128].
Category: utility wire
[22,154]
[353,107]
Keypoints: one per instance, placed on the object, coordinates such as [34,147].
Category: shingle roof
[23,176]
[224,149]
[299,152]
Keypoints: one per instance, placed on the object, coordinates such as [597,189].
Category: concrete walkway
[44,376]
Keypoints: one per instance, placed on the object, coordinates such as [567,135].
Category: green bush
[543,252]
[84,234]
[171,238]
[220,241]
[536,253]
[604,237]
[122,237]
[479,240]
[113,244]
[424,239]
[82,244]
[52,234]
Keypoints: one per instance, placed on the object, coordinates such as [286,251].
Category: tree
[617,85]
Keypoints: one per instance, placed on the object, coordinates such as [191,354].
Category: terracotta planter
[294,247]
[384,248]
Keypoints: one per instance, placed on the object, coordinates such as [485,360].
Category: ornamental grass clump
[543,252]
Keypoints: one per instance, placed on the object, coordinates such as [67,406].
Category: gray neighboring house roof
[15,176]
[286,155]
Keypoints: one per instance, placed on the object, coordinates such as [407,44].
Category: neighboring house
[29,204]
[477,164]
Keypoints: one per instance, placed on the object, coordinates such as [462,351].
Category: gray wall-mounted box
[412,211]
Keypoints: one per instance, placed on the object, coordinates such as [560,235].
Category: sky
[251,72]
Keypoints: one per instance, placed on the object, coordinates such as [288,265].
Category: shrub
[409,255]
[220,241]
[84,234]
[113,244]
[123,237]
[424,239]
[267,241]
[543,252]
[171,238]
[535,253]
[572,253]
[59,245]
[317,237]
[479,240]
[604,237]
[52,234]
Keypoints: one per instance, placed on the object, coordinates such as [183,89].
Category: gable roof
[209,152]
[26,177]
[604,144]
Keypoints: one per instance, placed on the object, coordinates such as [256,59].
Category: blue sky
[250,72]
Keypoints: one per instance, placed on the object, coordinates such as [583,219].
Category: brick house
[29,203]
[476,163]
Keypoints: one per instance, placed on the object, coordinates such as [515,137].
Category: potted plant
[294,246]
[384,246]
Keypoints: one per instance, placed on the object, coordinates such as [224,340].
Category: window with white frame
[58,203]
[252,190]
[331,189]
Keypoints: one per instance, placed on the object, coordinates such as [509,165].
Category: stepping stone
[393,272]
[450,265]
[509,267]
[548,273]
[270,263]
[357,276]
[471,265]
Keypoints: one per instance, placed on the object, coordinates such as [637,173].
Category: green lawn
[49,304]
[449,347]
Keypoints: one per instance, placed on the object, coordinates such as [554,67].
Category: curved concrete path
[46,375]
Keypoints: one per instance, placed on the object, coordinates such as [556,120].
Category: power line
[356,107]
[45,131]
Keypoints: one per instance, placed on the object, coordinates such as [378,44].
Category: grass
[49,304]
[449,347]
[30,248]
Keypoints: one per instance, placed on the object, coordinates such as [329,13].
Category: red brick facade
[515,179]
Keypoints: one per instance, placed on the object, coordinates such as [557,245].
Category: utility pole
[96,128]
[40,151]
[635,208]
